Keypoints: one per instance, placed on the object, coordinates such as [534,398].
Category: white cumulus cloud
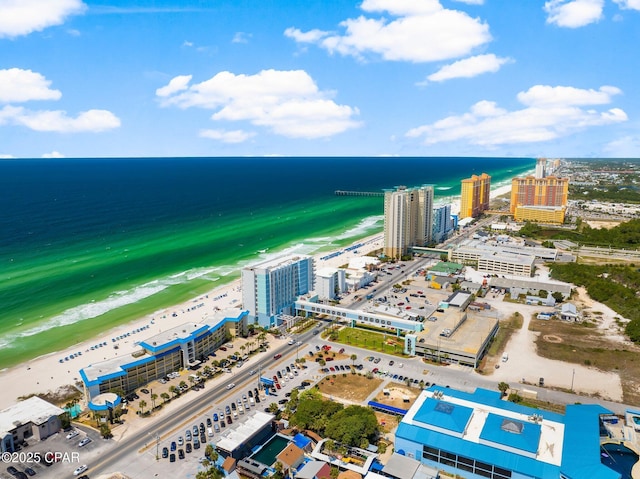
[469,67]
[225,136]
[288,103]
[549,113]
[418,31]
[58,120]
[628,4]
[573,13]
[22,17]
[17,85]
[179,83]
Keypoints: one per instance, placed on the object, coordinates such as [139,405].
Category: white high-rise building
[270,288]
[408,219]
[330,282]
[541,167]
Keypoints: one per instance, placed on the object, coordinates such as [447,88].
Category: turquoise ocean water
[88,244]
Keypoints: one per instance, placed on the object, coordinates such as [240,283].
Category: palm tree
[261,337]
[207,371]
[173,390]
[165,397]
[353,359]
[154,396]
[142,404]
[242,348]
[182,384]
[192,380]
[273,408]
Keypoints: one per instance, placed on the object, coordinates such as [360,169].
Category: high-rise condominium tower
[475,195]
[408,219]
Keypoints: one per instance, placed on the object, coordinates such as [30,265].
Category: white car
[231,386]
[84,442]
[80,470]
[291,342]
[73,433]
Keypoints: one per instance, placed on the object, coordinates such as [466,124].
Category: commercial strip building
[479,435]
[516,287]
[408,219]
[309,307]
[475,195]
[184,346]
[270,288]
[33,418]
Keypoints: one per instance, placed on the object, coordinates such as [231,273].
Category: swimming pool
[74,411]
[267,455]
[619,458]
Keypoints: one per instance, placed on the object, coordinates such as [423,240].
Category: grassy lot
[582,343]
[384,343]
[353,387]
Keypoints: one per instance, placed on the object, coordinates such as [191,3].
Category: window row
[465,463]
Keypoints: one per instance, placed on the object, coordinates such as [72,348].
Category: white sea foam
[362,227]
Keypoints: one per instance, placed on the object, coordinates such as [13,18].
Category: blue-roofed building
[479,435]
[184,346]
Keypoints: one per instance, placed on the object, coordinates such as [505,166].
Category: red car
[222,348]
[277,356]
[326,347]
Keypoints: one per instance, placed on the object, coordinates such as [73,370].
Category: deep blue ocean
[87,244]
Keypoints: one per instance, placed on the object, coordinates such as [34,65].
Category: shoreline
[51,372]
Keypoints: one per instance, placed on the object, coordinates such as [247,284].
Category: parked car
[165,452]
[84,442]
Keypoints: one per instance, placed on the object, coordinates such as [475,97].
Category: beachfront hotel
[539,198]
[479,435]
[270,288]
[184,346]
[408,219]
[475,195]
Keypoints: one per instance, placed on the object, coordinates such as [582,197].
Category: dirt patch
[552,338]
[587,344]
[351,387]
[399,397]
[387,422]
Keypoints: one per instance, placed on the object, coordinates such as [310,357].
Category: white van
[210,432]
[505,357]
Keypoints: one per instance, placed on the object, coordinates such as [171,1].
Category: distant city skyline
[557,78]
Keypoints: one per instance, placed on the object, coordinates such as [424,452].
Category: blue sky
[556,78]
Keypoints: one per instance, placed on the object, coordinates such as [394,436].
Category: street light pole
[572,378]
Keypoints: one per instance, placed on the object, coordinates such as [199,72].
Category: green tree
[173,390]
[273,408]
[105,431]
[154,396]
[352,424]
[353,360]
[165,397]
[142,404]
[558,297]
[503,387]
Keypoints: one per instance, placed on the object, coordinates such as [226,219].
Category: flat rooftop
[469,336]
[278,262]
[34,410]
[233,439]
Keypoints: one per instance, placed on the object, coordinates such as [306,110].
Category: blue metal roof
[445,415]
[581,449]
[301,440]
[580,444]
[386,407]
[511,433]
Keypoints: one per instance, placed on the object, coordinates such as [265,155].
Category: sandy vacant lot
[524,364]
